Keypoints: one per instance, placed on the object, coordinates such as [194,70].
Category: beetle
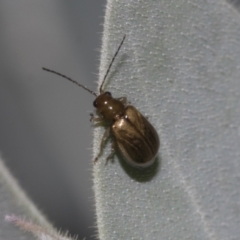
[132,133]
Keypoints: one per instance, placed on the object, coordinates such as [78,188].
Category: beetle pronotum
[132,133]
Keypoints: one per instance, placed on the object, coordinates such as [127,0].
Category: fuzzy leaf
[13,198]
[179,66]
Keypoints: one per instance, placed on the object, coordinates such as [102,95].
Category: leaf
[179,66]
[13,198]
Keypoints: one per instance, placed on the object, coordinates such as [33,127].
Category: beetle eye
[95,103]
[108,93]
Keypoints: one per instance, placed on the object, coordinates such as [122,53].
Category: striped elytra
[133,135]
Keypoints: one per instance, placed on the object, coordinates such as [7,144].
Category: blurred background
[45,132]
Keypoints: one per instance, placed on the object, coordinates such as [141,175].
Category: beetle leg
[96,119]
[113,151]
[103,141]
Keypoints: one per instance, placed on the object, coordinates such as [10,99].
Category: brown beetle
[134,136]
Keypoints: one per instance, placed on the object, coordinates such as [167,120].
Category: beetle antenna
[68,78]
[110,65]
